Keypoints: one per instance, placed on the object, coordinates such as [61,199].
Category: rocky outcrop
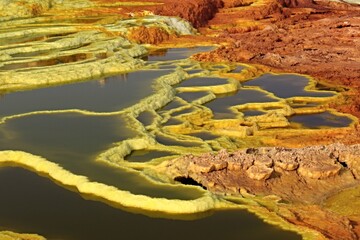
[307,174]
[151,35]
[197,12]
[303,178]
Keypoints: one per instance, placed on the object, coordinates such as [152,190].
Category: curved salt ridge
[207,98]
[231,86]
[164,94]
[112,194]
[8,235]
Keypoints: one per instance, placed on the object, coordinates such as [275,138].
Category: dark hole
[251,151]
[344,164]
[188,181]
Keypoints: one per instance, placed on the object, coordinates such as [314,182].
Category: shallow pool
[35,204]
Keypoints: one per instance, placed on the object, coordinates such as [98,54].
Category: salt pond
[35,204]
[107,114]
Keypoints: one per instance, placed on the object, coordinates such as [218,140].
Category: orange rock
[198,12]
[151,35]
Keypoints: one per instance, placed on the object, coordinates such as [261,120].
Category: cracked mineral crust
[307,174]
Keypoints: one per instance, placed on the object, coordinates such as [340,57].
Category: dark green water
[74,140]
[286,86]
[321,120]
[192,96]
[30,203]
[220,106]
[202,81]
[145,155]
[106,95]
[204,135]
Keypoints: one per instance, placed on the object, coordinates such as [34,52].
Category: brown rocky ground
[303,177]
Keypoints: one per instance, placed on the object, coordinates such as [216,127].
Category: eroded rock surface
[307,174]
[197,12]
[303,177]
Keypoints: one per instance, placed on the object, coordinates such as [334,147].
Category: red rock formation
[197,12]
[151,35]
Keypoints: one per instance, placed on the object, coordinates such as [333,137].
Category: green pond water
[104,95]
[220,106]
[286,85]
[197,82]
[192,96]
[145,155]
[73,140]
[321,120]
[35,204]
